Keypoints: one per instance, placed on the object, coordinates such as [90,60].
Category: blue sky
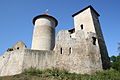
[16,19]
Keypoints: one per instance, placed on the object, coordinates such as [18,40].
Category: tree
[115,60]
[119,48]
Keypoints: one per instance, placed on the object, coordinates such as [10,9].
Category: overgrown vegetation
[55,74]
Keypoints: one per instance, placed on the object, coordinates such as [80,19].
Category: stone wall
[101,42]
[77,54]
[39,59]
[14,62]
[11,62]
[44,34]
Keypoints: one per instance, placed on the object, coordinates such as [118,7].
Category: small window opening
[61,50]
[70,50]
[9,49]
[71,30]
[94,40]
[81,26]
[17,47]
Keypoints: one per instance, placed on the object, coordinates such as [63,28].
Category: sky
[16,19]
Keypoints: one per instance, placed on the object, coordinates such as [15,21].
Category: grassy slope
[54,74]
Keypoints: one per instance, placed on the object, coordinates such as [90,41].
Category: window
[9,49]
[71,30]
[81,26]
[17,47]
[70,50]
[61,50]
[94,40]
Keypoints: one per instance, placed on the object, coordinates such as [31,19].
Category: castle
[81,49]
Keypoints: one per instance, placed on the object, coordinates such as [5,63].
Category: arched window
[94,40]
[60,50]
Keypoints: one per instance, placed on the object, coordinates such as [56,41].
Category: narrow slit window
[94,40]
[61,50]
[70,50]
[81,26]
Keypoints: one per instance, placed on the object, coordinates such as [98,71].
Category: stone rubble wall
[39,59]
[15,62]
[11,63]
[84,57]
[78,55]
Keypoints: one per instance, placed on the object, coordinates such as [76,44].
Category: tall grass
[65,75]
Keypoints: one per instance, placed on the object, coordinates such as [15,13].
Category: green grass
[55,74]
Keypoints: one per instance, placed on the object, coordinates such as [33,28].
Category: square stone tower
[87,20]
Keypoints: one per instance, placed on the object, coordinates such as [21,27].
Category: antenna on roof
[46,10]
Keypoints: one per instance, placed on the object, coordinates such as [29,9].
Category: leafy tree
[115,60]
[119,48]
[115,64]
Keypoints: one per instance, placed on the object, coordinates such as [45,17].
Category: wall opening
[71,30]
[81,26]
[94,40]
[70,50]
[17,47]
[60,50]
[9,49]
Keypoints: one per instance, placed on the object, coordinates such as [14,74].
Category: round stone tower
[44,32]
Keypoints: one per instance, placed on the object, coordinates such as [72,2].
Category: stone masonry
[81,49]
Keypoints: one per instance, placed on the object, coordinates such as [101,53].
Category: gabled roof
[85,9]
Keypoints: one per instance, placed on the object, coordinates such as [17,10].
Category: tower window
[94,40]
[81,26]
[60,50]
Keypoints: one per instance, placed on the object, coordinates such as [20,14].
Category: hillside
[55,74]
